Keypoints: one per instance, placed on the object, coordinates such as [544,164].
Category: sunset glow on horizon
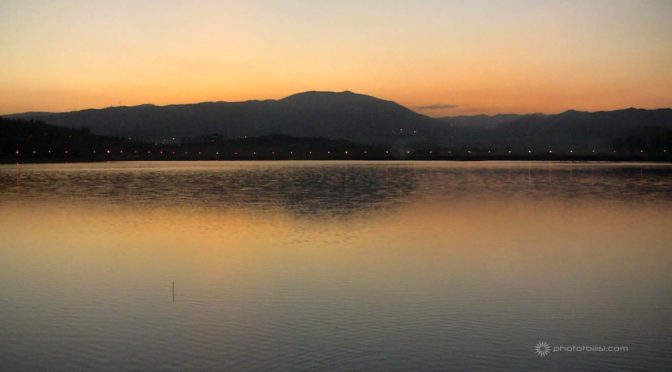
[435,57]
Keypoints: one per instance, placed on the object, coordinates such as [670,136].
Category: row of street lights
[329,152]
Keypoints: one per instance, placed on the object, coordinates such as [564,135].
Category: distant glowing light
[529,151]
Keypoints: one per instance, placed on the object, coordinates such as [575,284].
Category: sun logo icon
[542,348]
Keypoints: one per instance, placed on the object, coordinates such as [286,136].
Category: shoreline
[512,158]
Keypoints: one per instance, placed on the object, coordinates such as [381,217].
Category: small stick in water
[173,291]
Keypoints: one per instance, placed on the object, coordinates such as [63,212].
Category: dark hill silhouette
[27,139]
[480,121]
[34,141]
[630,130]
[345,115]
[368,120]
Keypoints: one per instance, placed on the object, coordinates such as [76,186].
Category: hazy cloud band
[438,106]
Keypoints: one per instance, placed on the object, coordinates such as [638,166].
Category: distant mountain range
[482,121]
[345,115]
[628,130]
[368,120]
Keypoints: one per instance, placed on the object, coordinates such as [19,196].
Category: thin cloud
[438,106]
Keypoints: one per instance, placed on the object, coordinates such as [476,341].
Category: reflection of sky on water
[374,266]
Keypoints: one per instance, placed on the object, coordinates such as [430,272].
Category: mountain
[35,141]
[480,121]
[368,120]
[628,130]
[24,139]
[344,115]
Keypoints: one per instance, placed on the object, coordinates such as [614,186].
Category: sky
[436,57]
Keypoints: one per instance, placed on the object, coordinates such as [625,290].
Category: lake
[335,266]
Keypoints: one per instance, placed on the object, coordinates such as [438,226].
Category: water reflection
[300,189]
[328,188]
[348,266]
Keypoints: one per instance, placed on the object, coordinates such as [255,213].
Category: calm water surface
[338,266]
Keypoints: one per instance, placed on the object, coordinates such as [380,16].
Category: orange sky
[464,57]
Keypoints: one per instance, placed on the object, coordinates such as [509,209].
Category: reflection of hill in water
[300,190]
[323,190]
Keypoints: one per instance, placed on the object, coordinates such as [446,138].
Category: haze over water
[337,265]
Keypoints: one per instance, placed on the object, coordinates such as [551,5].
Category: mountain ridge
[501,116]
[367,119]
[342,115]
